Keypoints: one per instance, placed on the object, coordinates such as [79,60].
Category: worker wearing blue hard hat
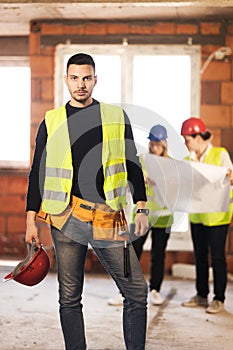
[160,221]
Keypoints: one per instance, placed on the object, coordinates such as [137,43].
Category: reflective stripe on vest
[113,155]
[214,219]
[55,195]
[59,168]
[56,172]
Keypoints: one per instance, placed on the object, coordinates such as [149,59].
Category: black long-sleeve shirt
[85,131]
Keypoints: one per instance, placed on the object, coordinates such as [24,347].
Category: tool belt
[107,223]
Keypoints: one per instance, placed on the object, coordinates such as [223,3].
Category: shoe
[196,301]
[155,298]
[215,307]
[116,301]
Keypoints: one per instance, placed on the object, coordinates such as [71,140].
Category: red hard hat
[33,269]
[193,126]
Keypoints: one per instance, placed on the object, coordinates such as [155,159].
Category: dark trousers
[210,239]
[159,238]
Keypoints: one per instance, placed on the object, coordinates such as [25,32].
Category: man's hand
[141,224]
[141,220]
[32,229]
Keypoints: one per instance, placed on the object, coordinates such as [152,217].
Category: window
[153,83]
[15,116]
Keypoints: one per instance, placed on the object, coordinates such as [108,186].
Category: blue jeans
[71,249]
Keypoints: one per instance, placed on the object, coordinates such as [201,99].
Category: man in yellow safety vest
[85,159]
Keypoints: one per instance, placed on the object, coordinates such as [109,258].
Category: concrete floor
[29,317]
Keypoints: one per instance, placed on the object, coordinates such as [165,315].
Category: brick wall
[216,101]
[12,214]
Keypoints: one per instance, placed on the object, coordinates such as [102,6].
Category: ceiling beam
[219,3]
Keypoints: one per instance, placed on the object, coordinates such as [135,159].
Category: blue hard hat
[158,133]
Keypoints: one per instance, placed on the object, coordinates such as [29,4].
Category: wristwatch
[143,211]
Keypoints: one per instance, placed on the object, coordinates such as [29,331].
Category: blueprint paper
[188,186]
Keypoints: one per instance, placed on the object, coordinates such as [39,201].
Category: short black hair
[80,59]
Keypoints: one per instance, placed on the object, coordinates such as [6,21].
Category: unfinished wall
[216,103]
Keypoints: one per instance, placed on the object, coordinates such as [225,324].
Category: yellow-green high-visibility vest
[220,218]
[59,167]
[159,217]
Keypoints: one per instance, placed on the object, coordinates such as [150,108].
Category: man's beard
[82,99]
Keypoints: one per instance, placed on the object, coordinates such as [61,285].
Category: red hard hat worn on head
[193,126]
[33,269]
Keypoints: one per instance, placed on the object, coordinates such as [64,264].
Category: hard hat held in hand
[33,269]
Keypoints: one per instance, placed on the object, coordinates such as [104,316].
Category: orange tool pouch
[57,221]
[107,224]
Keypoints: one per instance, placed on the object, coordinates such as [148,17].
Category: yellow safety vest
[59,168]
[220,218]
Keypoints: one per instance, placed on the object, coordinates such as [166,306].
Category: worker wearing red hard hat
[208,230]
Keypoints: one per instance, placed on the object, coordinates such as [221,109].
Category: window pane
[162,83]
[15,118]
